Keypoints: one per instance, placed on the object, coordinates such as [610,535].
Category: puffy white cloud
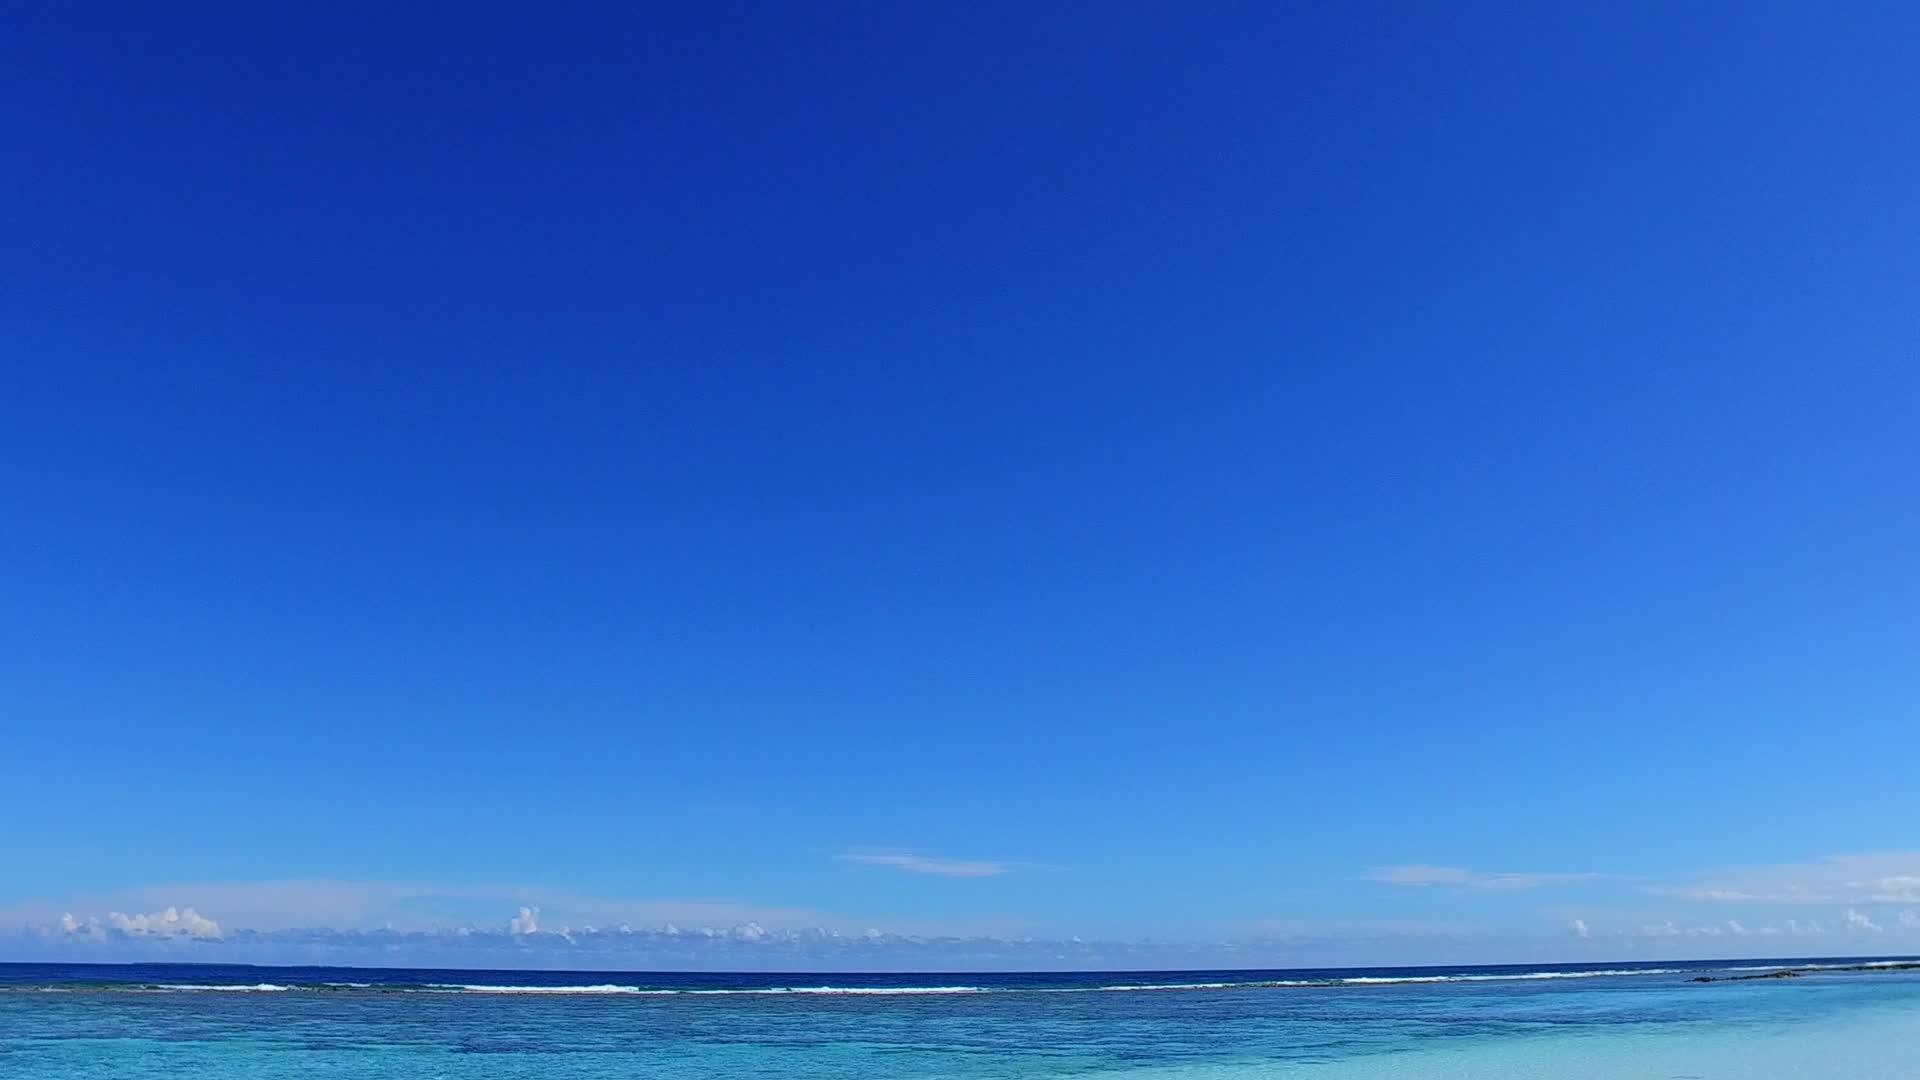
[1578,928]
[527,922]
[920,864]
[1421,874]
[172,922]
[88,929]
[1858,921]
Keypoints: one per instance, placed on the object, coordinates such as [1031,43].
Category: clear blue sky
[1246,471]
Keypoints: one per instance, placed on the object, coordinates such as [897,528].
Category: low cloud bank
[174,922]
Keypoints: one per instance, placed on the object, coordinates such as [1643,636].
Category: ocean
[1831,1018]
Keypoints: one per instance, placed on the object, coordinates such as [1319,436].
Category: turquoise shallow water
[70,1023]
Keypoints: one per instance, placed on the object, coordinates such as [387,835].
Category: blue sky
[1356,483]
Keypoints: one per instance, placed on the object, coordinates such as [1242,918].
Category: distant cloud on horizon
[520,941]
[439,924]
[174,922]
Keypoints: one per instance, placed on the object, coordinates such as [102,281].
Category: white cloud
[172,922]
[1860,922]
[1892,889]
[1871,878]
[1910,920]
[1578,927]
[1728,928]
[88,929]
[750,946]
[920,864]
[527,922]
[1421,874]
[408,906]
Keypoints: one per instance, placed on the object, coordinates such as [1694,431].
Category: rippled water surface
[1591,1021]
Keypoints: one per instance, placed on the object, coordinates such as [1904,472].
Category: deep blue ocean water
[63,1022]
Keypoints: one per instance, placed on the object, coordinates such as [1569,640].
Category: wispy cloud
[1893,889]
[1870,878]
[1423,875]
[1848,926]
[1891,877]
[921,864]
